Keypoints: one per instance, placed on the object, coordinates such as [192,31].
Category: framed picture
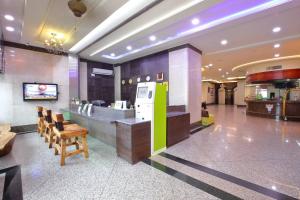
[160,76]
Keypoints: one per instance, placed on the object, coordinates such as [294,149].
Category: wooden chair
[40,122]
[69,135]
[49,124]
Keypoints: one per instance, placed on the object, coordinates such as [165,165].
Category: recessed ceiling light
[227,73]
[195,21]
[12,55]
[112,55]
[276,55]
[276,45]
[12,51]
[9,17]
[276,29]
[10,29]
[206,66]
[224,42]
[220,69]
[129,48]
[223,76]
[202,69]
[152,38]
[210,65]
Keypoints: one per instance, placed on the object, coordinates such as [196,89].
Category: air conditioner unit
[105,72]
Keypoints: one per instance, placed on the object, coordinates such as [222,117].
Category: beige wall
[239,93]
[286,64]
[30,66]
[210,97]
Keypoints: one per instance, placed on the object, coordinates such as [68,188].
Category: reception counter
[273,108]
[102,123]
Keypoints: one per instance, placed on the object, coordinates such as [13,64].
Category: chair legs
[85,147]
[63,152]
[61,144]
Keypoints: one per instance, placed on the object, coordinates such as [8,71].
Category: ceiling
[246,25]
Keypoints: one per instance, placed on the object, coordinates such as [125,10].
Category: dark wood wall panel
[100,87]
[146,66]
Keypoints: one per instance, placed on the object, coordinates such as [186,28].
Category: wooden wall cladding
[146,66]
[100,87]
[273,75]
[178,127]
[134,141]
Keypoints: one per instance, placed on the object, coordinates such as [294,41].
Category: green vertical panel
[160,117]
[67,115]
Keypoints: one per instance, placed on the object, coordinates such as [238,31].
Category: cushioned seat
[6,142]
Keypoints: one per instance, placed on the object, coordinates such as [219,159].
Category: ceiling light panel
[183,28]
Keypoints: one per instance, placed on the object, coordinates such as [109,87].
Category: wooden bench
[6,139]
[69,135]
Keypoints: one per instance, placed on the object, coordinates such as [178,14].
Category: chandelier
[54,44]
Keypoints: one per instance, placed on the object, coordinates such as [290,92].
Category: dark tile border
[30,128]
[12,183]
[192,181]
[232,179]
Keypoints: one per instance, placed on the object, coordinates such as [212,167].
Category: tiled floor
[262,151]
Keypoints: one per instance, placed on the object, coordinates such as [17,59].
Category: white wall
[194,85]
[239,93]
[210,97]
[83,80]
[30,66]
[117,76]
[185,81]
[178,77]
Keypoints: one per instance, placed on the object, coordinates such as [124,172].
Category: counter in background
[101,124]
[293,110]
[259,108]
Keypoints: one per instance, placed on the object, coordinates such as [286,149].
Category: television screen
[40,91]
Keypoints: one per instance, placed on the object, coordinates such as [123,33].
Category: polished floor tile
[102,176]
[262,151]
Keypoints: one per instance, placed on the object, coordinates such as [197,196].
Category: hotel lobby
[149,99]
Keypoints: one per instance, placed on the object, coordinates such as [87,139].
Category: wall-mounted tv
[40,91]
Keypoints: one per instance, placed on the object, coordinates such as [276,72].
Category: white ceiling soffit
[45,16]
[153,20]
[124,13]
[211,14]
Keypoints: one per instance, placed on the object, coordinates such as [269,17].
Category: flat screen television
[40,92]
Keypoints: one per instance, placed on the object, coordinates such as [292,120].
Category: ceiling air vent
[274,68]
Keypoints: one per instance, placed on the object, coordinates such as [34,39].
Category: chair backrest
[40,110]
[47,115]
[58,120]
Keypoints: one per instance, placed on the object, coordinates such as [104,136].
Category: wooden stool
[68,135]
[40,122]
